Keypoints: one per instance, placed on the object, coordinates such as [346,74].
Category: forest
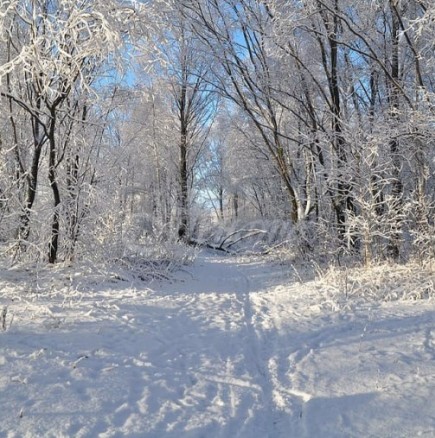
[130,127]
[217,218]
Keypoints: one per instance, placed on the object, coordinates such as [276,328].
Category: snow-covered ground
[233,347]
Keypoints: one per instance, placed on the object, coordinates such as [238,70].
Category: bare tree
[55,49]
[187,70]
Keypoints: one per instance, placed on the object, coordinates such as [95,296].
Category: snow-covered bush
[383,282]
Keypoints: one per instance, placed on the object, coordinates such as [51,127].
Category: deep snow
[233,347]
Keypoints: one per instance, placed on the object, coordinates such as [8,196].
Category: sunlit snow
[232,347]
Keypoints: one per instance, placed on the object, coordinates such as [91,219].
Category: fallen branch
[222,246]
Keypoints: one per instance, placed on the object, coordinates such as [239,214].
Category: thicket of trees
[124,119]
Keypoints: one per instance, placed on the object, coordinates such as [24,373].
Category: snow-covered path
[233,348]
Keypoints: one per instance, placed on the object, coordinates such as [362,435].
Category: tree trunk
[183,204]
[345,200]
[221,203]
[183,175]
[396,185]
[55,225]
[32,180]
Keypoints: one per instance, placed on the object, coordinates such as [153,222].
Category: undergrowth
[379,283]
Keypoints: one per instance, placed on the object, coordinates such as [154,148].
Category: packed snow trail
[233,347]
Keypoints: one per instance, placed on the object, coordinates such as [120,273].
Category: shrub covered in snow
[383,282]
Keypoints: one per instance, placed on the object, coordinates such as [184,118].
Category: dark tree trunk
[221,202]
[345,201]
[55,225]
[396,187]
[39,139]
[183,204]
[236,205]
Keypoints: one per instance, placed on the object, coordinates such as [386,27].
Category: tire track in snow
[260,349]
[288,403]
[227,352]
